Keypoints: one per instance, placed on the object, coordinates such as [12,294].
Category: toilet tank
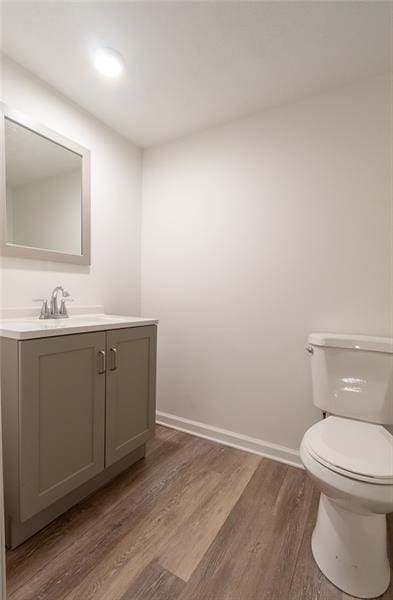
[352,376]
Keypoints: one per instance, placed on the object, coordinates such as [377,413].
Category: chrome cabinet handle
[113,365]
[101,362]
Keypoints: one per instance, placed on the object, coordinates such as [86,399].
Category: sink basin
[94,318]
[31,328]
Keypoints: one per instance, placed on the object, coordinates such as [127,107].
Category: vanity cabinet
[62,417]
[77,410]
[130,390]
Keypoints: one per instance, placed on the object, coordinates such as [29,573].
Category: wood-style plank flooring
[193,521]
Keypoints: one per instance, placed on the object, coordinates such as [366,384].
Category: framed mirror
[45,192]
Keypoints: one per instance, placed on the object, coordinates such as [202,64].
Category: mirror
[43,191]
[46,204]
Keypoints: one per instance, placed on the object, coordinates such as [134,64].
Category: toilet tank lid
[354,341]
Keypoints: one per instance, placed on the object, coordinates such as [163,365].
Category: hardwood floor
[193,521]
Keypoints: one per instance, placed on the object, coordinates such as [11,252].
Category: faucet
[55,312]
[52,311]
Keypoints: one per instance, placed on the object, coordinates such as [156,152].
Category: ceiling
[190,65]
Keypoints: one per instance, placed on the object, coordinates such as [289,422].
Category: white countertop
[27,328]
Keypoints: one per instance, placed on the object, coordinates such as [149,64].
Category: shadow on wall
[41,265]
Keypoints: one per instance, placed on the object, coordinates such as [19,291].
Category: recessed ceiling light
[108,62]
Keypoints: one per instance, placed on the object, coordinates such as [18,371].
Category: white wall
[256,233]
[114,276]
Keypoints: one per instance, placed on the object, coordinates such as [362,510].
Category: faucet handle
[63,308]
[44,314]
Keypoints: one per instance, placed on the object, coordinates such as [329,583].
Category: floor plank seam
[305,533]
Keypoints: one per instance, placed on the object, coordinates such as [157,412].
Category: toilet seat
[355,449]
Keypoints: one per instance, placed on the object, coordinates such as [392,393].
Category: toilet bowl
[351,462]
[349,456]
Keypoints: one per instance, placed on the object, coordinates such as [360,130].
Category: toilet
[349,456]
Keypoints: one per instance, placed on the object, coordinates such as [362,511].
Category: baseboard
[230,438]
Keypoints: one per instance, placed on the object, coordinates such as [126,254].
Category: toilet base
[351,549]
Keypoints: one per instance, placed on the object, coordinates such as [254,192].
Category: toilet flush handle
[310,349]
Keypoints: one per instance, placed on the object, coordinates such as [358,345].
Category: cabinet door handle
[113,365]
[101,362]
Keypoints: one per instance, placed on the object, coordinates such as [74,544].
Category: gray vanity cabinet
[62,417]
[130,390]
[77,411]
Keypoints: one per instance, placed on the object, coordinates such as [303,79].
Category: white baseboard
[230,438]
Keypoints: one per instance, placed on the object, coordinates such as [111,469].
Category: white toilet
[349,456]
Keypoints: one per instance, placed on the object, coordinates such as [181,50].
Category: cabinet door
[62,416]
[130,395]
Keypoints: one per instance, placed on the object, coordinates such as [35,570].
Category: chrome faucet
[55,312]
[52,310]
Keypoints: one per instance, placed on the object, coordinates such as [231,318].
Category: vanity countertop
[27,328]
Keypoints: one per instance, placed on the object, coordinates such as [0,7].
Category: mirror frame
[15,250]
